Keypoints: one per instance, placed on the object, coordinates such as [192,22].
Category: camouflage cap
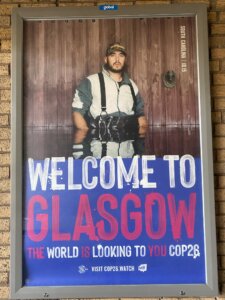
[115,47]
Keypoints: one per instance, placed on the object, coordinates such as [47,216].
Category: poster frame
[18,291]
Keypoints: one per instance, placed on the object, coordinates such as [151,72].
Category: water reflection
[108,143]
[40,143]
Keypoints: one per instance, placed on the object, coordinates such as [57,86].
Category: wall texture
[216,22]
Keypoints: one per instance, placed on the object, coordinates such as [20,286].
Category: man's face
[115,62]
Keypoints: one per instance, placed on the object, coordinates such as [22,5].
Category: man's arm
[139,106]
[142,121]
[79,121]
[81,104]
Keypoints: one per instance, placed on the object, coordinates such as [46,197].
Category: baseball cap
[115,47]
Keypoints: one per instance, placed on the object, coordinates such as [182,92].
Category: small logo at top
[108,7]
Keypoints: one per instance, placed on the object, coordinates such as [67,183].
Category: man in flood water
[109,99]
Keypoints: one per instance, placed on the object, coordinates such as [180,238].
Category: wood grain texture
[59,54]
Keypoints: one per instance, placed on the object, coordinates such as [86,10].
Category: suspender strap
[102,88]
[104,149]
[134,97]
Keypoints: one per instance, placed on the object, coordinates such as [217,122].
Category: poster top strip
[149,11]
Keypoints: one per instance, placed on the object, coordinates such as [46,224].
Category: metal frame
[18,291]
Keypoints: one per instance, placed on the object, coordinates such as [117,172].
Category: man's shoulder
[93,77]
[127,79]
[86,82]
[131,82]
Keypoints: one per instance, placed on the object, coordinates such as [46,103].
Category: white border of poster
[21,291]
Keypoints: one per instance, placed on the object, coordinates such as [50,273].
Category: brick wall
[216,20]
[217,56]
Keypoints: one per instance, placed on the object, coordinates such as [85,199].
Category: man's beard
[111,69]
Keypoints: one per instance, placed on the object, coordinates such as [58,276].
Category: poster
[126,216]
[113,208]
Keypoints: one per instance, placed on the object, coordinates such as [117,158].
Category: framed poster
[109,211]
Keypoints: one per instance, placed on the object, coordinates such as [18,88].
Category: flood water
[40,142]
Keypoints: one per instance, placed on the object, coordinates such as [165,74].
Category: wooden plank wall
[59,54]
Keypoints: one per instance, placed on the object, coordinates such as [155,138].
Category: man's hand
[143,125]
[80,135]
